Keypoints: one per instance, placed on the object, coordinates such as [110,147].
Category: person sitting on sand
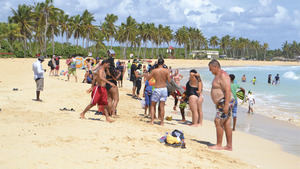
[251,101]
[221,96]
[160,93]
[99,93]
[234,87]
[194,93]
[38,76]
[88,70]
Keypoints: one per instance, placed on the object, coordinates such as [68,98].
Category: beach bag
[50,63]
[177,133]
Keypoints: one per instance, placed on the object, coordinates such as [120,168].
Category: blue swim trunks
[234,109]
[159,95]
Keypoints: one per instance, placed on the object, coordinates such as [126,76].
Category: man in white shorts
[160,93]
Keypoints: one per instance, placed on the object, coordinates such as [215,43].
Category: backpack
[177,133]
[50,63]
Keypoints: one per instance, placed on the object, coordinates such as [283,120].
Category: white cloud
[237,9]
[265,2]
[281,15]
[196,12]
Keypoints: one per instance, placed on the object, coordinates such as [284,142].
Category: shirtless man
[99,93]
[160,93]
[221,96]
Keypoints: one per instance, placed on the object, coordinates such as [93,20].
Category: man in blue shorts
[160,93]
[234,86]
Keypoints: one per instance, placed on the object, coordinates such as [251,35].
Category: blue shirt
[148,87]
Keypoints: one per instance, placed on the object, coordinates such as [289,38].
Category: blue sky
[271,21]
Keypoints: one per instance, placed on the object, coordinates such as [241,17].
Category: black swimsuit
[191,90]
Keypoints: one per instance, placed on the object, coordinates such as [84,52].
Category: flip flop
[64,109]
[72,109]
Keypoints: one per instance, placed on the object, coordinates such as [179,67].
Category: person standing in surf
[221,96]
[234,87]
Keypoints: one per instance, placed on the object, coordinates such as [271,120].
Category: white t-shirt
[251,99]
[38,70]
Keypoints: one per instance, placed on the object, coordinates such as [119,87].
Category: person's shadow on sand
[203,142]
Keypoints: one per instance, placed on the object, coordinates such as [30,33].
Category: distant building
[210,54]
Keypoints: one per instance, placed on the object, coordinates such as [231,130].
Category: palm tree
[181,38]
[76,20]
[64,25]
[265,48]
[86,26]
[225,41]
[47,7]
[130,31]
[54,14]
[109,28]
[214,41]
[23,17]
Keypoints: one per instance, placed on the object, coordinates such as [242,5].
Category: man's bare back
[161,76]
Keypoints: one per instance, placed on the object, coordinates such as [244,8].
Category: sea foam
[291,75]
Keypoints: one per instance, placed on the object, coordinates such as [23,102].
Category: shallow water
[280,101]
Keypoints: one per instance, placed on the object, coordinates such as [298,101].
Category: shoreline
[38,135]
[285,118]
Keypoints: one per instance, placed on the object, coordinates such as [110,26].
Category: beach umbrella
[79,62]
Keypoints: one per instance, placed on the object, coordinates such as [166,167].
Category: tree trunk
[145,51]
[83,42]
[45,35]
[124,52]
[111,42]
[185,52]
[53,48]
[152,50]
[139,52]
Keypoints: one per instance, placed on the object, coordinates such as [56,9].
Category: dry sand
[39,135]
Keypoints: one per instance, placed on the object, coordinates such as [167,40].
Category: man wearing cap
[38,76]
[132,76]
[160,93]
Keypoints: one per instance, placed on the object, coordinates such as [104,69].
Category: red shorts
[99,95]
[57,67]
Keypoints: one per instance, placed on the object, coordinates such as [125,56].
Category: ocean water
[280,101]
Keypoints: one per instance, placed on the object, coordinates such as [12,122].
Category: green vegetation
[32,29]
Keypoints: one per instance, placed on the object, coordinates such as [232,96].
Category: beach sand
[39,135]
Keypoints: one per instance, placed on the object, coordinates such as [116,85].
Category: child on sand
[182,105]
[251,101]
[147,94]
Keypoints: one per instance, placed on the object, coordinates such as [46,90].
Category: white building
[209,53]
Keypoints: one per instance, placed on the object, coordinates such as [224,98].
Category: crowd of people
[159,83]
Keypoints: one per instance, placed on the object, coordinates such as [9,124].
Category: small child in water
[251,101]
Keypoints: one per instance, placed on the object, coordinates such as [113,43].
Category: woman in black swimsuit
[194,93]
[113,92]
